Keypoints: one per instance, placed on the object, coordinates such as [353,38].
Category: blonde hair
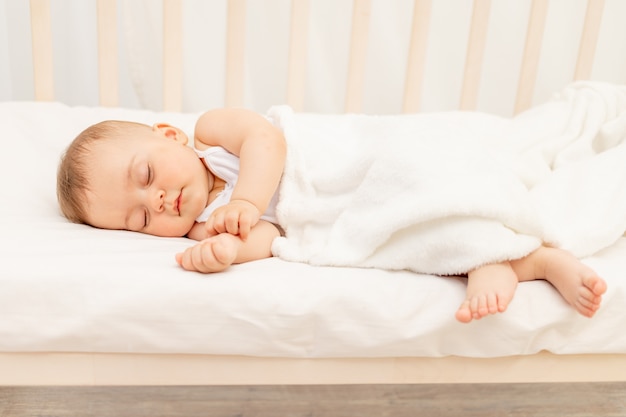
[72,174]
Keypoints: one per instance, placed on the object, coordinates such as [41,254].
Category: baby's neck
[216,186]
[212,181]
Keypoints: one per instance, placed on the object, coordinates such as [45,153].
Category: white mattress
[71,288]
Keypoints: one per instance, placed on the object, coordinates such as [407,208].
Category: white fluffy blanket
[444,193]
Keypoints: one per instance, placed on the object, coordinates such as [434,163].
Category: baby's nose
[158,202]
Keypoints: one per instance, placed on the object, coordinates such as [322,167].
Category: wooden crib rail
[108,53]
[296,72]
[591,31]
[416,61]
[475,51]
[108,63]
[41,31]
[172,55]
[532,49]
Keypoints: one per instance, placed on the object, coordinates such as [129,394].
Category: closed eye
[149,175]
[146,219]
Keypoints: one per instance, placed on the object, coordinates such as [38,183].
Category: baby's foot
[490,288]
[578,284]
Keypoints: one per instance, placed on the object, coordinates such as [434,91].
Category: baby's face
[151,183]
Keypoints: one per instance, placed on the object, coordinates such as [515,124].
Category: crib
[132,59]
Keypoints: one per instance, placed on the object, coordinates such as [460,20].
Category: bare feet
[490,288]
[581,287]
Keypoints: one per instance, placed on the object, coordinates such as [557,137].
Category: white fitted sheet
[72,288]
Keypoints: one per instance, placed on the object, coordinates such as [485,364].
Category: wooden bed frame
[41,368]
[175,369]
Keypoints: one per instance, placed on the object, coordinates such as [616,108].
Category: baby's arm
[261,149]
[217,253]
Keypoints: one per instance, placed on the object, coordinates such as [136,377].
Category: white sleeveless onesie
[225,165]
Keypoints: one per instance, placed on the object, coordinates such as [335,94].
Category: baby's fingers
[223,220]
[184,259]
[215,224]
[240,225]
[211,255]
[199,258]
[231,222]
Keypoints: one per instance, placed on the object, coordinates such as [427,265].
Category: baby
[130,176]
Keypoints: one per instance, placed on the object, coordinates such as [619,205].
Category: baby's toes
[584,310]
[585,303]
[464,314]
[478,307]
[588,299]
[599,287]
[492,303]
[595,284]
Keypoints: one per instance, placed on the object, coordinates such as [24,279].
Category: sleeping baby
[244,192]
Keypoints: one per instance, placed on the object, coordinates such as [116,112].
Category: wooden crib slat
[589,39]
[417,56]
[475,52]
[358,53]
[298,53]
[235,52]
[172,55]
[108,78]
[43,69]
[530,59]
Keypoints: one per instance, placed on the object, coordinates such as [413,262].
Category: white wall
[74,42]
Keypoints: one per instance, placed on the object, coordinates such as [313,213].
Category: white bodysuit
[225,165]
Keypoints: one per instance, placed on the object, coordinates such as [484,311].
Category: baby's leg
[490,288]
[578,284]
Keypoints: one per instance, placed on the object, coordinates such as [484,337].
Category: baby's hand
[214,254]
[237,217]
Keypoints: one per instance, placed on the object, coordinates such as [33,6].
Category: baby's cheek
[169,227]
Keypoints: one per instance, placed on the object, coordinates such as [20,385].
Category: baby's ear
[171,132]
